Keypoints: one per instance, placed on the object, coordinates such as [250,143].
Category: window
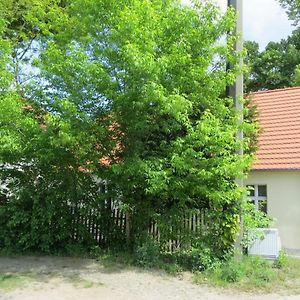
[258,196]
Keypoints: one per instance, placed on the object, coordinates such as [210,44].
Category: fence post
[128,226]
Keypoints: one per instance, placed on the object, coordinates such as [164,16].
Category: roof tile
[279,140]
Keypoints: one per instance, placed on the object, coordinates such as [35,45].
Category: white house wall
[283,196]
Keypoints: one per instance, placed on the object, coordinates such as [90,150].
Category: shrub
[253,219]
[231,271]
[247,271]
[281,260]
[197,259]
[148,254]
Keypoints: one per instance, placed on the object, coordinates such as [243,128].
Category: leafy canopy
[140,83]
[274,67]
[277,66]
[293,9]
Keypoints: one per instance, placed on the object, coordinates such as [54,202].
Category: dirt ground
[58,278]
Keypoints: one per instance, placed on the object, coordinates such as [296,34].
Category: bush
[231,271]
[258,272]
[253,219]
[197,259]
[246,271]
[281,260]
[148,254]
[76,250]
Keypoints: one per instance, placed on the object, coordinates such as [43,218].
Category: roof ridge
[276,90]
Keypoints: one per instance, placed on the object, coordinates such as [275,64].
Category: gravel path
[58,278]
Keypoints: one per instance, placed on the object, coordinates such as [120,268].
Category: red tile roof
[279,140]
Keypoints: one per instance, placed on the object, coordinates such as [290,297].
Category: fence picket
[91,220]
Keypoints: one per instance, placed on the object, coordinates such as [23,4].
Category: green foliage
[147,255]
[293,9]
[282,260]
[137,84]
[79,282]
[275,66]
[248,273]
[9,281]
[297,76]
[77,250]
[253,219]
[259,271]
[197,259]
[112,259]
[231,271]
[37,215]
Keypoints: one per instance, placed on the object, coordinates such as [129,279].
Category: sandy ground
[58,278]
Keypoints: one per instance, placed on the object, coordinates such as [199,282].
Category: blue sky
[264,20]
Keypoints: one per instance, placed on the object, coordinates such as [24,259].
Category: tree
[293,9]
[275,66]
[250,60]
[142,83]
[45,149]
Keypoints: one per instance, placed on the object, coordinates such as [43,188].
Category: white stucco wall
[283,191]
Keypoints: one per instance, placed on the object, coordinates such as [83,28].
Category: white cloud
[264,21]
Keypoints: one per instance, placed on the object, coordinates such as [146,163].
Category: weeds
[147,255]
[243,273]
[282,260]
[253,274]
[80,282]
[10,281]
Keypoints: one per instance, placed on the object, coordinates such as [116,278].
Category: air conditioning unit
[265,243]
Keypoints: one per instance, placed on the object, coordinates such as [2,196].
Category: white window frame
[257,198]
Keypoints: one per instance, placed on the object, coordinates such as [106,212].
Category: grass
[252,274]
[82,283]
[245,273]
[9,281]
[248,274]
[113,260]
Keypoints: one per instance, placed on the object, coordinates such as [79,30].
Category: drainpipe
[236,90]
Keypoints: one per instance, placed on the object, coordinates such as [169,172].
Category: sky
[264,21]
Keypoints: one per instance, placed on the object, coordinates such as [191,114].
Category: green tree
[278,64]
[45,149]
[166,74]
[293,9]
[250,60]
[275,66]
[141,83]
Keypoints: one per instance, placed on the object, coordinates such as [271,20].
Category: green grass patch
[9,281]
[144,258]
[82,283]
[112,259]
[253,274]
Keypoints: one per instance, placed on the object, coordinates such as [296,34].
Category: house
[275,174]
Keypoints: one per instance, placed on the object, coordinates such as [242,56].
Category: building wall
[283,192]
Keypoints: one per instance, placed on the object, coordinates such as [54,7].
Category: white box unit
[267,244]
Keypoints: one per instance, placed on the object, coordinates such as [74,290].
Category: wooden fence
[108,223]
[177,234]
[97,223]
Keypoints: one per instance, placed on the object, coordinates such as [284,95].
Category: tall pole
[236,91]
